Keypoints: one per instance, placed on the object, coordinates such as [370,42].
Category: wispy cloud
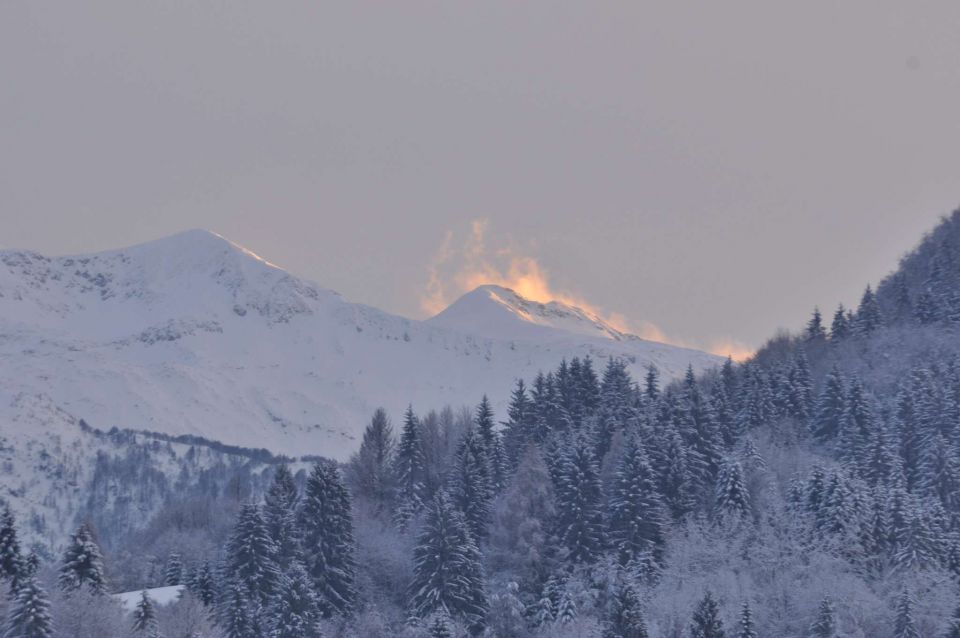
[454,270]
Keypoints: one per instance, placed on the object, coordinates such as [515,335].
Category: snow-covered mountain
[193,334]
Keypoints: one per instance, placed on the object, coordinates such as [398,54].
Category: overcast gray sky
[714,169]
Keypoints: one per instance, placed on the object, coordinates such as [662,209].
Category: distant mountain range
[193,334]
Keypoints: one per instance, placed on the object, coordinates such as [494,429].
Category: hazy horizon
[702,175]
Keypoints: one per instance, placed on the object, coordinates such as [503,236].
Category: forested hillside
[811,491]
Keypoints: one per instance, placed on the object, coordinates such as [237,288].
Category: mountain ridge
[193,334]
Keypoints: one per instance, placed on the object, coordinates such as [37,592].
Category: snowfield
[193,334]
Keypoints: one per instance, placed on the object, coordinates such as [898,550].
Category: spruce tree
[204,584]
[326,527]
[732,498]
[493,453]
[294,611]
[815,331]
[235,616]
[830,408]
[145,618]
[448,574]
[470,489]
[372,469]
[251,556]
[825,625]
[857,424]
[839,329]
[626,618]
[747,627]
[637,513]
[904,625]
[279,514]
[11,560]
[173,572]
[29,613]
[868,317]
[580,518]
[518,430]
[82,564]
[410,469]
[706,619]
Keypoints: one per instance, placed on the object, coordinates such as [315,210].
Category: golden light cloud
[452,272]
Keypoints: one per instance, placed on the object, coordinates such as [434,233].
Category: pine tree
[839,329]
[830,408]
[326,524]
[372,468]
[747,627]
[234,612]
[470,489]
[815,331]
[857,425]
[706,619]
[11,560]
[410,469]
[732,498]
[940,472]
[518,430]
[626,618]
[578,503]
[173,572]
[145,618]
[904,625]
[915,541]
[279,514]
[29,614]
[493,454]
[448,575]
[204,584]
[294,611]
[868,318]
[251,556]
[637,516]
[676,483]
[82,563]
[825,626]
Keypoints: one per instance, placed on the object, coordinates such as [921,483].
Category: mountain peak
[502,313]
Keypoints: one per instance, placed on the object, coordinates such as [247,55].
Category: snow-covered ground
[193,334]
[159,596]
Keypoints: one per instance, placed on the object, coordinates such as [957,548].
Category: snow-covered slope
[192,334]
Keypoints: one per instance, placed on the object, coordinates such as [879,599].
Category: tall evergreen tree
[279,513]
[830,408]
[493,453]
[11,560]
[825,625]
[448,574]
[839,329]
[626,618]
[372,468]
[815,331]
[470,489]
[173,572]
[868,317]
[706,619]
[580,517]
[410,469]
[29,613]
[732,498]
[904,625]
[637,513]
[294,611]
[747,627]
[145,618]
[251,557]
[518,431]
[326,524]
[82,563]
[234,612]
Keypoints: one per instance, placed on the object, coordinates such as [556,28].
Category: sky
[701,173]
